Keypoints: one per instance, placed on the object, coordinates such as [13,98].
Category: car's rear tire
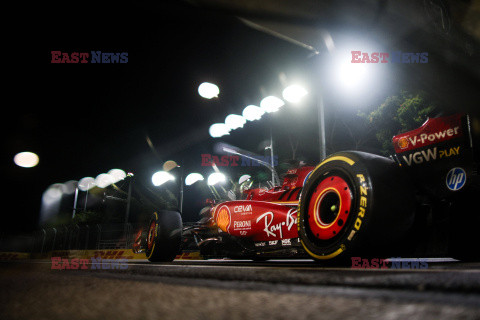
[464,222]
[354,204]
[164,236]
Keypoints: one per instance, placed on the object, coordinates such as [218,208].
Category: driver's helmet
[245,182]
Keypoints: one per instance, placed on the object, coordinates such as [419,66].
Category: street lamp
[252,113]
[53,194]
[192,178]
[103,180]
[169,165]
[218,130]
[271,104]
[215,178]
[26,159]
[86,183]
[117,175]
[350,74]
[294,93]
[161,177]
[234,121]
[208,90]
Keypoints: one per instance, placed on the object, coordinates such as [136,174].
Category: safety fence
[73,237]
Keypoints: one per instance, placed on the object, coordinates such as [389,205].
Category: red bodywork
[265,215]
[433,131]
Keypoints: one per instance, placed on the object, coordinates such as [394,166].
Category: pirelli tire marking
[362,207]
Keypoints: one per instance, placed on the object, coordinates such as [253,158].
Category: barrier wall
[87,254]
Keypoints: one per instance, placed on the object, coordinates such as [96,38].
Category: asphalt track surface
[226,289]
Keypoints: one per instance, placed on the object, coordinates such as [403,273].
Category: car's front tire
[164,236]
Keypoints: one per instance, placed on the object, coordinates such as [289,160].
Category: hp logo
[456,179]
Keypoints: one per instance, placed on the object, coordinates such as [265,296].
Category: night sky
[85,119]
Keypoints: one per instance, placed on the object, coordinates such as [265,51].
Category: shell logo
[223,218]
[403,143]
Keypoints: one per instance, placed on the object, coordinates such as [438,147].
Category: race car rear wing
[439,154]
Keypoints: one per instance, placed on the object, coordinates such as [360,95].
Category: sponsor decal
[440,135]
[223,218]
[276,230]
[385,57]
[421,156]
[403,143]
[243,209]
[88,57]
[430,154]
[189,255]
[456,179]
[111,254]
[433,131]
[449,152]
[283,242]
[391,263]
[242,225]
[424,138]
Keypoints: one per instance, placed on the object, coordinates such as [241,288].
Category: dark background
[85,119]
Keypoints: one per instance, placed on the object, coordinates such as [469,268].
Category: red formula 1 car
[414,203]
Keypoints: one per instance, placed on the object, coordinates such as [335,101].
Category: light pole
[321,125]
[349,76]
[75,200]
[274,182]
[161,177]
[180,205]
[271,157]
[85,184]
